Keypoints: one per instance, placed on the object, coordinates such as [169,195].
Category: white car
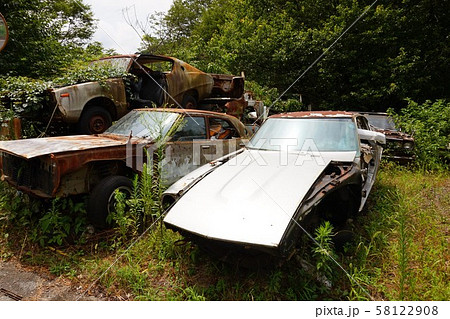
[298,168]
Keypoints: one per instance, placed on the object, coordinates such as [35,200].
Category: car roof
[182,111]
[373,113]
[137,55]
[233,119]
[315,114]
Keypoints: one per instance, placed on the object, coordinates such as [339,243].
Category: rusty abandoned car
[399,145]
[154,80]
[298,168]
[100,164]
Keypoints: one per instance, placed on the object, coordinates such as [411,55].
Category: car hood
[34,147]
[251,198]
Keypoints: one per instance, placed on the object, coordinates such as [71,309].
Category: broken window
[220,129]
[192,128]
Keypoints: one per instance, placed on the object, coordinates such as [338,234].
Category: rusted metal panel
[185,78]
[72,99]
[47,167]
[236,107]
[182,79]
[29,148]
[399,145]
[227,85]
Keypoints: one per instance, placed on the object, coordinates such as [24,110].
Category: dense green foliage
[20,95]
[26,98]
[54,222]
[46,36]
[430,125]
[399,49]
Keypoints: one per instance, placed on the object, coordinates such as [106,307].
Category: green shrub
[55,222]
[20,95]
[430,125]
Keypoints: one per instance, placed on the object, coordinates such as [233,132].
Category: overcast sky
[113,31]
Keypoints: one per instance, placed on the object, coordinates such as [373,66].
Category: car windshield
[144,124]
[117,63]
[381,121]
[306,134]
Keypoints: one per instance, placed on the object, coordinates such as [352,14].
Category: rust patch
[236,108]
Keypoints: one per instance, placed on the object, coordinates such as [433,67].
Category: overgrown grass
[403,254]
[400,253]
[414,211]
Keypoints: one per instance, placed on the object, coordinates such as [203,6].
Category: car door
[184,150]
[370,157]
[198,141]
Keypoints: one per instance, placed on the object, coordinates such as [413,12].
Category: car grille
[33,174]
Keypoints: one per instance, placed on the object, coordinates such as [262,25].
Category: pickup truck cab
[154,80]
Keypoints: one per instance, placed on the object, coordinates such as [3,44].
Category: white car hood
[245,201]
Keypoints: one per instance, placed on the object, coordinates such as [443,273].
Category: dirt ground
[18,283]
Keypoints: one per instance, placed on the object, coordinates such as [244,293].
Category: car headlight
[408,145]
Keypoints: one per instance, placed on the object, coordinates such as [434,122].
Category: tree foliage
[46,36]
[399,49]
[429,122]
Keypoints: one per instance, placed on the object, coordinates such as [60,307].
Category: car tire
[94,120]
[102,200]
[189,102]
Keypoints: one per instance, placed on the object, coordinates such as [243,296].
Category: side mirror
[372,136]
[4,34]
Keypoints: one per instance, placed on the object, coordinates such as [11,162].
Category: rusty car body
[399,145]
[99,164]
[298,168]
[154,80]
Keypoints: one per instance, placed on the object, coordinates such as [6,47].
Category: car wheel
[189,102]
[94,120]
[102,199]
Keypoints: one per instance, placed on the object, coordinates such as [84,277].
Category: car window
[144,124]
[362,123]
[220,129]
[192,128]
[121,64]
[381,121]
[161,66]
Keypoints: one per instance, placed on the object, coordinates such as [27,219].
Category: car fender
[72,99]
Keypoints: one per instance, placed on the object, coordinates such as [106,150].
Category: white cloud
[112,29]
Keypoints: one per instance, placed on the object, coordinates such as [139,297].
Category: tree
[399,49]
[172,31]
[45,36]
